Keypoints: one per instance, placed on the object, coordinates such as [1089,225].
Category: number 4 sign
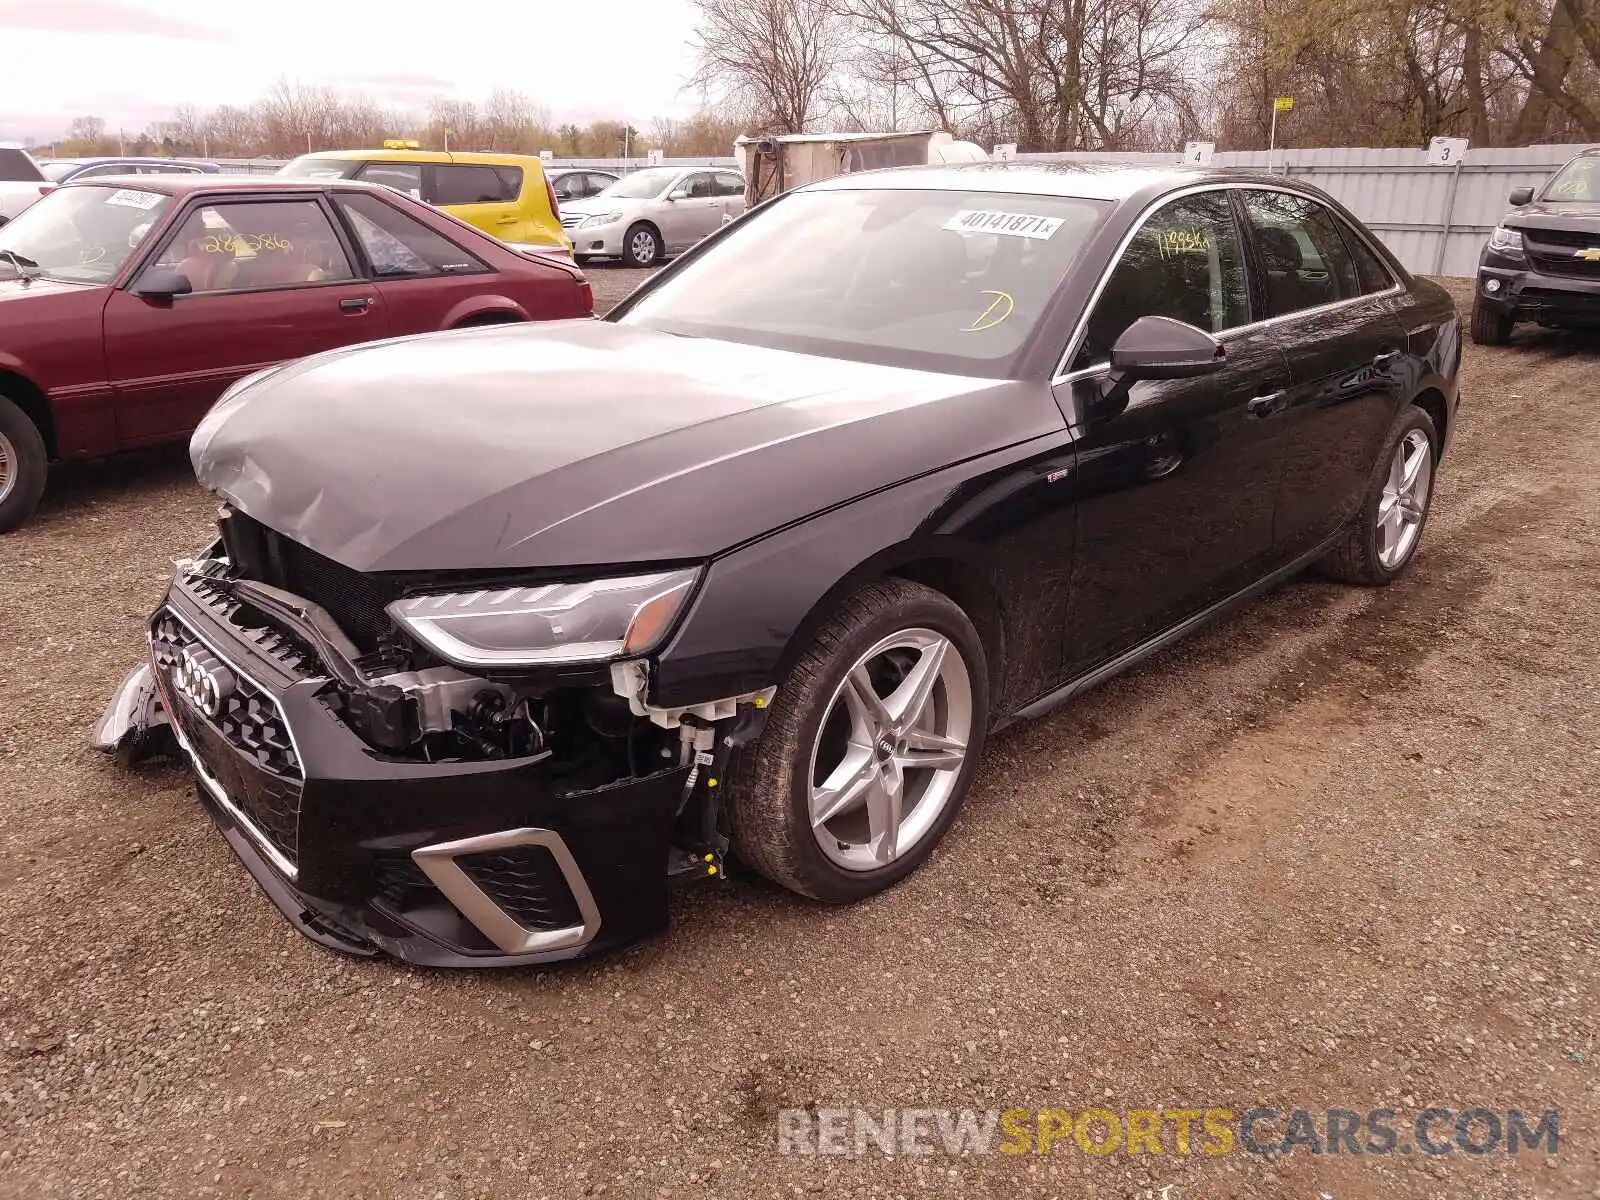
[1198,154]
[1446,151]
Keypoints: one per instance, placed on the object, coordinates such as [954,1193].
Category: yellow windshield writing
[246,243]
[1001,307]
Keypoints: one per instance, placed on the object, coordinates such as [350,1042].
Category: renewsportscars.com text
[1377,1132]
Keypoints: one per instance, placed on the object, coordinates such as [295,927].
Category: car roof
[1079,180]
[465,157]
[183,185]
[141,160]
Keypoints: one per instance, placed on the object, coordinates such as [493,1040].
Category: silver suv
[646,216]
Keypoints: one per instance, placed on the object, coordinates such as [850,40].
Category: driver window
[700,187]
[267,244]
[1185,263]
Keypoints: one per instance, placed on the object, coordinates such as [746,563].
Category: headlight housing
[549,624]
[600,219]
[1506,241]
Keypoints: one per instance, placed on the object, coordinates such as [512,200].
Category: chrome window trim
[438,862]
[1064,375]
[209,781]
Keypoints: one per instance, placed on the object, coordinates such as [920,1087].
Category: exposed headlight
[553,623]
[600,219]
[1506,241]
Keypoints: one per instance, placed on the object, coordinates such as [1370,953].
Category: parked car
[578,183]
[66,170]
[1542,262]
[505,195]
[653,213]
[21,181]
[128,305]
[756,561]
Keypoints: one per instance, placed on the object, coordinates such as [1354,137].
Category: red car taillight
[555,205]
[587,293]
[46,188]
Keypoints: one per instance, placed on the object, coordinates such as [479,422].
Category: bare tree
[771,57]
[1056,74]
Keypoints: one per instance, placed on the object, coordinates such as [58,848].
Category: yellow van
[505,195]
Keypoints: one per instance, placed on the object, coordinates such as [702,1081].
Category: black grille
[355,601]
[400,883]
[246,748]
[527,882]
[1555,252]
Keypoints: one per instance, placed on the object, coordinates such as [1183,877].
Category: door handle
[358,304]
[1265,406]
[505,220]
[1385,358]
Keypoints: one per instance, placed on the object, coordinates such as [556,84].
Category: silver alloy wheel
[643,246]
[1405,499]
[889,749]
[10,467]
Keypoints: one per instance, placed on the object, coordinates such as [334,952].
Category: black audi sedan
[504,629]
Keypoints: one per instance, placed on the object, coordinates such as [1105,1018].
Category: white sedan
[651,214]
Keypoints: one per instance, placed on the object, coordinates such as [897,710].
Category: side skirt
[1130,658]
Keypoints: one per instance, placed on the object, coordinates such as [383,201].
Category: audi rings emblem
[202,680]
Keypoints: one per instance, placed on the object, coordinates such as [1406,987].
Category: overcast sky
[132,61]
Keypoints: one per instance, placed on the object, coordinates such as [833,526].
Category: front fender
[1006,519]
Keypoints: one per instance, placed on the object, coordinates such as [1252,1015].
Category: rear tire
[1383,538]
[1489,327]
[641,247]
[24,466]
[818,750]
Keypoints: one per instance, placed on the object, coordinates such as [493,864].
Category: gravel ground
[1339,850]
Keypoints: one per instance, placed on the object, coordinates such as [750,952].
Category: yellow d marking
[988,320]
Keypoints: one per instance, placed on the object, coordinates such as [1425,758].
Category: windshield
[309,166]
[642,185]
[57,171]
[81,234]
[945,280]
[1577,183]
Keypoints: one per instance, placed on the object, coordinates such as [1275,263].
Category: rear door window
[1303,257]
[729,184]
[1370,271]
[1187,263]
[456,183]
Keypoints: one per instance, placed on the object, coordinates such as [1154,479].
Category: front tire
[1384,537]
[641,247]
[869,749]
[1489,326]
[24,466]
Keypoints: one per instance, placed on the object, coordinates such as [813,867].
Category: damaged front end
[460,773]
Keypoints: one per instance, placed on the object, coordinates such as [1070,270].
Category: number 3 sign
[1446,151]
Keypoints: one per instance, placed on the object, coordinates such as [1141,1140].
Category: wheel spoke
[905,706]
[931,751]
[846,787]
[1411,468]
[883,815]
[867,713]
[1397,471]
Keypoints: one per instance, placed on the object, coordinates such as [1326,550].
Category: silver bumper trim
[438,862]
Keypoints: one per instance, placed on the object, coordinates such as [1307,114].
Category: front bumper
[1526,293]
[601,241]
[460,864]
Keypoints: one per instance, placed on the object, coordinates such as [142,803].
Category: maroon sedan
[128,305]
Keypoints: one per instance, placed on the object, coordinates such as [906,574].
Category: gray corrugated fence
[1435,219]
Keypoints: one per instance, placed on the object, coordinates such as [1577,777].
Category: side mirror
[1521,196]
[162,283]
[1161,348]
[678,194]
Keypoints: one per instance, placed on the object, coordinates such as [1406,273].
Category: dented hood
[579,442]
